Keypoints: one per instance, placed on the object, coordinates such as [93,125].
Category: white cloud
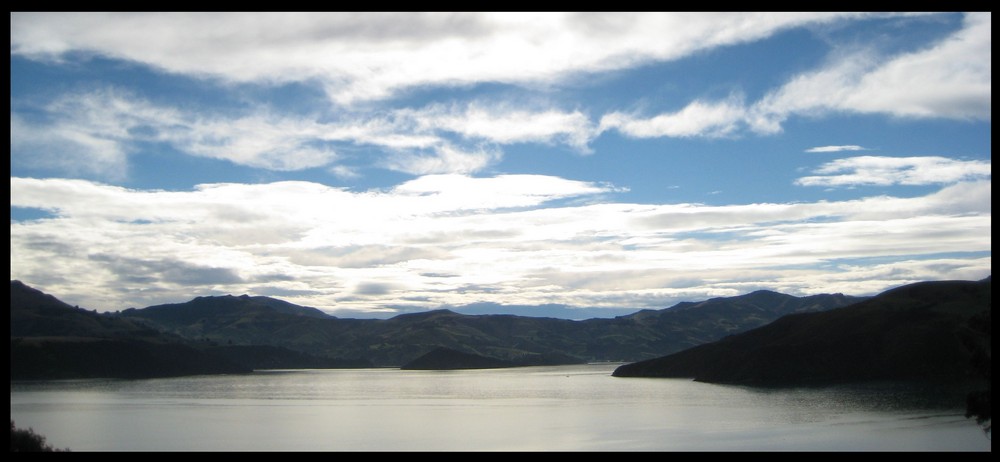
[509,238]
[371,55]
[846,147]
[883,171]
[65,148]
[104,126]
[344,172]
[696,119]
[95,132]
[459,192]
[444,159]
[505,239]
[504,123]
[274,143]
[950,79]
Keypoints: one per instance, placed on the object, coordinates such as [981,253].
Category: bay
[562,408]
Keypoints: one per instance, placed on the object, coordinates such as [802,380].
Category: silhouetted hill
[35,314]
[53,340]
[517,339]
[48,358]
[226,307]
[911,333]
[690,324]
[448,359]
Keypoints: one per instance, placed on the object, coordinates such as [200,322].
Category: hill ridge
[911,332]
[247,320]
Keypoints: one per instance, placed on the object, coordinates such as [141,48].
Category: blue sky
[375,164]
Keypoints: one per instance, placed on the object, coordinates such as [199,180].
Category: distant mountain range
[924,331]
[243,321]
[918,332]
[396,341]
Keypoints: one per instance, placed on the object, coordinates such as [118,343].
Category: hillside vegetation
[918,332]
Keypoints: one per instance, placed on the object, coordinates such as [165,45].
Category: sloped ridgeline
[53,340]
[262,332]
[920,332]
[517,339]
[50,340]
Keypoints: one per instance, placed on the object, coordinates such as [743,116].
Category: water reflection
[539,408]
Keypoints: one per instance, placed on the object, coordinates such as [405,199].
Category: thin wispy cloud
[113,121]
[840,148]
[697,119]
[910,171]
[105,126]
[503,124]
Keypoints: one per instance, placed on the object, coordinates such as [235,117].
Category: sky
[572,165]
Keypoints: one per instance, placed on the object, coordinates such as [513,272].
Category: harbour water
[564,408]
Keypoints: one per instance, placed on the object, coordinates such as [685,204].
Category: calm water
[566,408]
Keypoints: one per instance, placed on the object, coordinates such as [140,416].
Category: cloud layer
[452,239]
[94,131]
[360,56]
[422,113]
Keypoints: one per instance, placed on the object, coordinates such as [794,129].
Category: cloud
[365,56]
[65,147]
[103,127]
[512,239]
[699,118]
[505,124]
[95,132]
[884,171]
[363,256]
[374,288]
[846,147]
[445,159]
[344,172]
[460,192]
[171,271]
[950,79]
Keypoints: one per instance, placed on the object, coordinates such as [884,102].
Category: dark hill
[48,358]
[53,340]
[226,306]
[244,320]
[517,339]
[448,359]
[690,324]
[34,313]
[911,333]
